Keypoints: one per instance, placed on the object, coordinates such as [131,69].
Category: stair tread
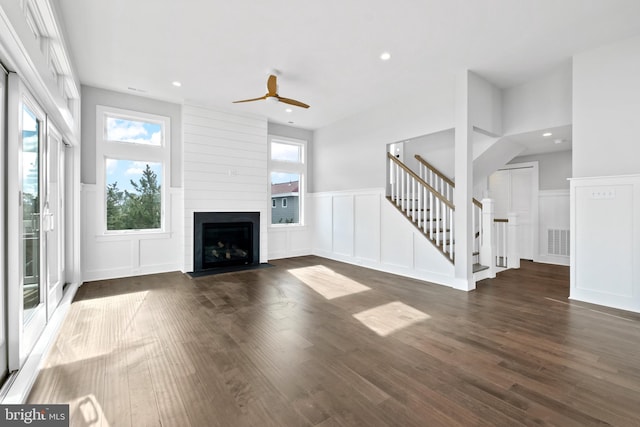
[479,267]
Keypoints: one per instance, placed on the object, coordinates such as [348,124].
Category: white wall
[606,91]
[544,102]
[362,227]
[436,148]
[128,254]
[605,228]
[131,254]
[605,210]
[350,154]
[225,169]
[555,169]
[92,96]
[485,105]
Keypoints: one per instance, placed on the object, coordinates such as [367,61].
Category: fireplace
[225,241]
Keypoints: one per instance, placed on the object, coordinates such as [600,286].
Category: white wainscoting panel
[321,205]
[367,227]
[396,241]
[554,215]
[343,229]
[289,241]
[129,254]
[225,169]
[605,240]
[361,227]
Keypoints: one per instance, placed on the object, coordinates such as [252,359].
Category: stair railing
[429,210]
[435,178]
[445,186]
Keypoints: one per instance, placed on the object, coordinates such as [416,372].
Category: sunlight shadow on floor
[388,318]
[327,282]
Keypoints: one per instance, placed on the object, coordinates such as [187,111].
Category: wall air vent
[558,242]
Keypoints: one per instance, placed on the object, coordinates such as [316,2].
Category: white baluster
[432,212]
[419,213]
[451,235]
[391,176]
[513,257]
[413,198]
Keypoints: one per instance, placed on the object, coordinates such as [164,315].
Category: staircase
[428,210]
[425,198]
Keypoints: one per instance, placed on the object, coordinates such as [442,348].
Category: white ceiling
[327,51]
[536,143]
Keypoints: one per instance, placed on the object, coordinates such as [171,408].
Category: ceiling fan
[272,94]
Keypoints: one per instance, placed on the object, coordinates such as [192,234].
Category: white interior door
[514,190]
[521,204]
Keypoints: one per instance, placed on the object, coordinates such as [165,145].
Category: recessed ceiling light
[288,110]
[176,83]
[385,56]
[547,134]
[558,141]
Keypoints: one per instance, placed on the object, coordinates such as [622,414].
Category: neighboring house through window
[288,170]
[132,163]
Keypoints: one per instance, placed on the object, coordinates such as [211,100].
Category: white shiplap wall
[225,168]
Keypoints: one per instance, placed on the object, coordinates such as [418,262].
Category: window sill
[287,226]
[131,235]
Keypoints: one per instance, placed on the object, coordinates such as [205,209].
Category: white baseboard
[553,259]
[422,275]
[90,276]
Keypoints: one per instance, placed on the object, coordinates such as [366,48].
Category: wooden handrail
[500,220]
[419,158]
[436,171]
[421,181]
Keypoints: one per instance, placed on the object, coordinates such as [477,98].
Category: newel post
[513,257]
[488,238]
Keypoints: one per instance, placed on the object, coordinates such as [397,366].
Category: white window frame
[284,202]
[273,203]
[299,168]
[120,150]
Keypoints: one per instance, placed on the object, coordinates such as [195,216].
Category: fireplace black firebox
[224,241]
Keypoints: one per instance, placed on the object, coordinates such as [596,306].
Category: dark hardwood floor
[313,342]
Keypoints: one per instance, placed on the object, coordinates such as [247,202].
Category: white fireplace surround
[225,169]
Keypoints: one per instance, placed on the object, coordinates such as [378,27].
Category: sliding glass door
[3,174]
[53,218]
[30,145]
[26,264]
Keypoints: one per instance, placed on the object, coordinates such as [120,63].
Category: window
[287,174]
[286,152]
[132,163]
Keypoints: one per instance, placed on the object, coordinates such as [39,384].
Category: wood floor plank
[289,346]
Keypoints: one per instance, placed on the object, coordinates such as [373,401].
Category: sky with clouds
[123,171]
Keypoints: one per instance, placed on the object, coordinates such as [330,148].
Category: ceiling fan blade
[249,100]
[272,85]
[293,102]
